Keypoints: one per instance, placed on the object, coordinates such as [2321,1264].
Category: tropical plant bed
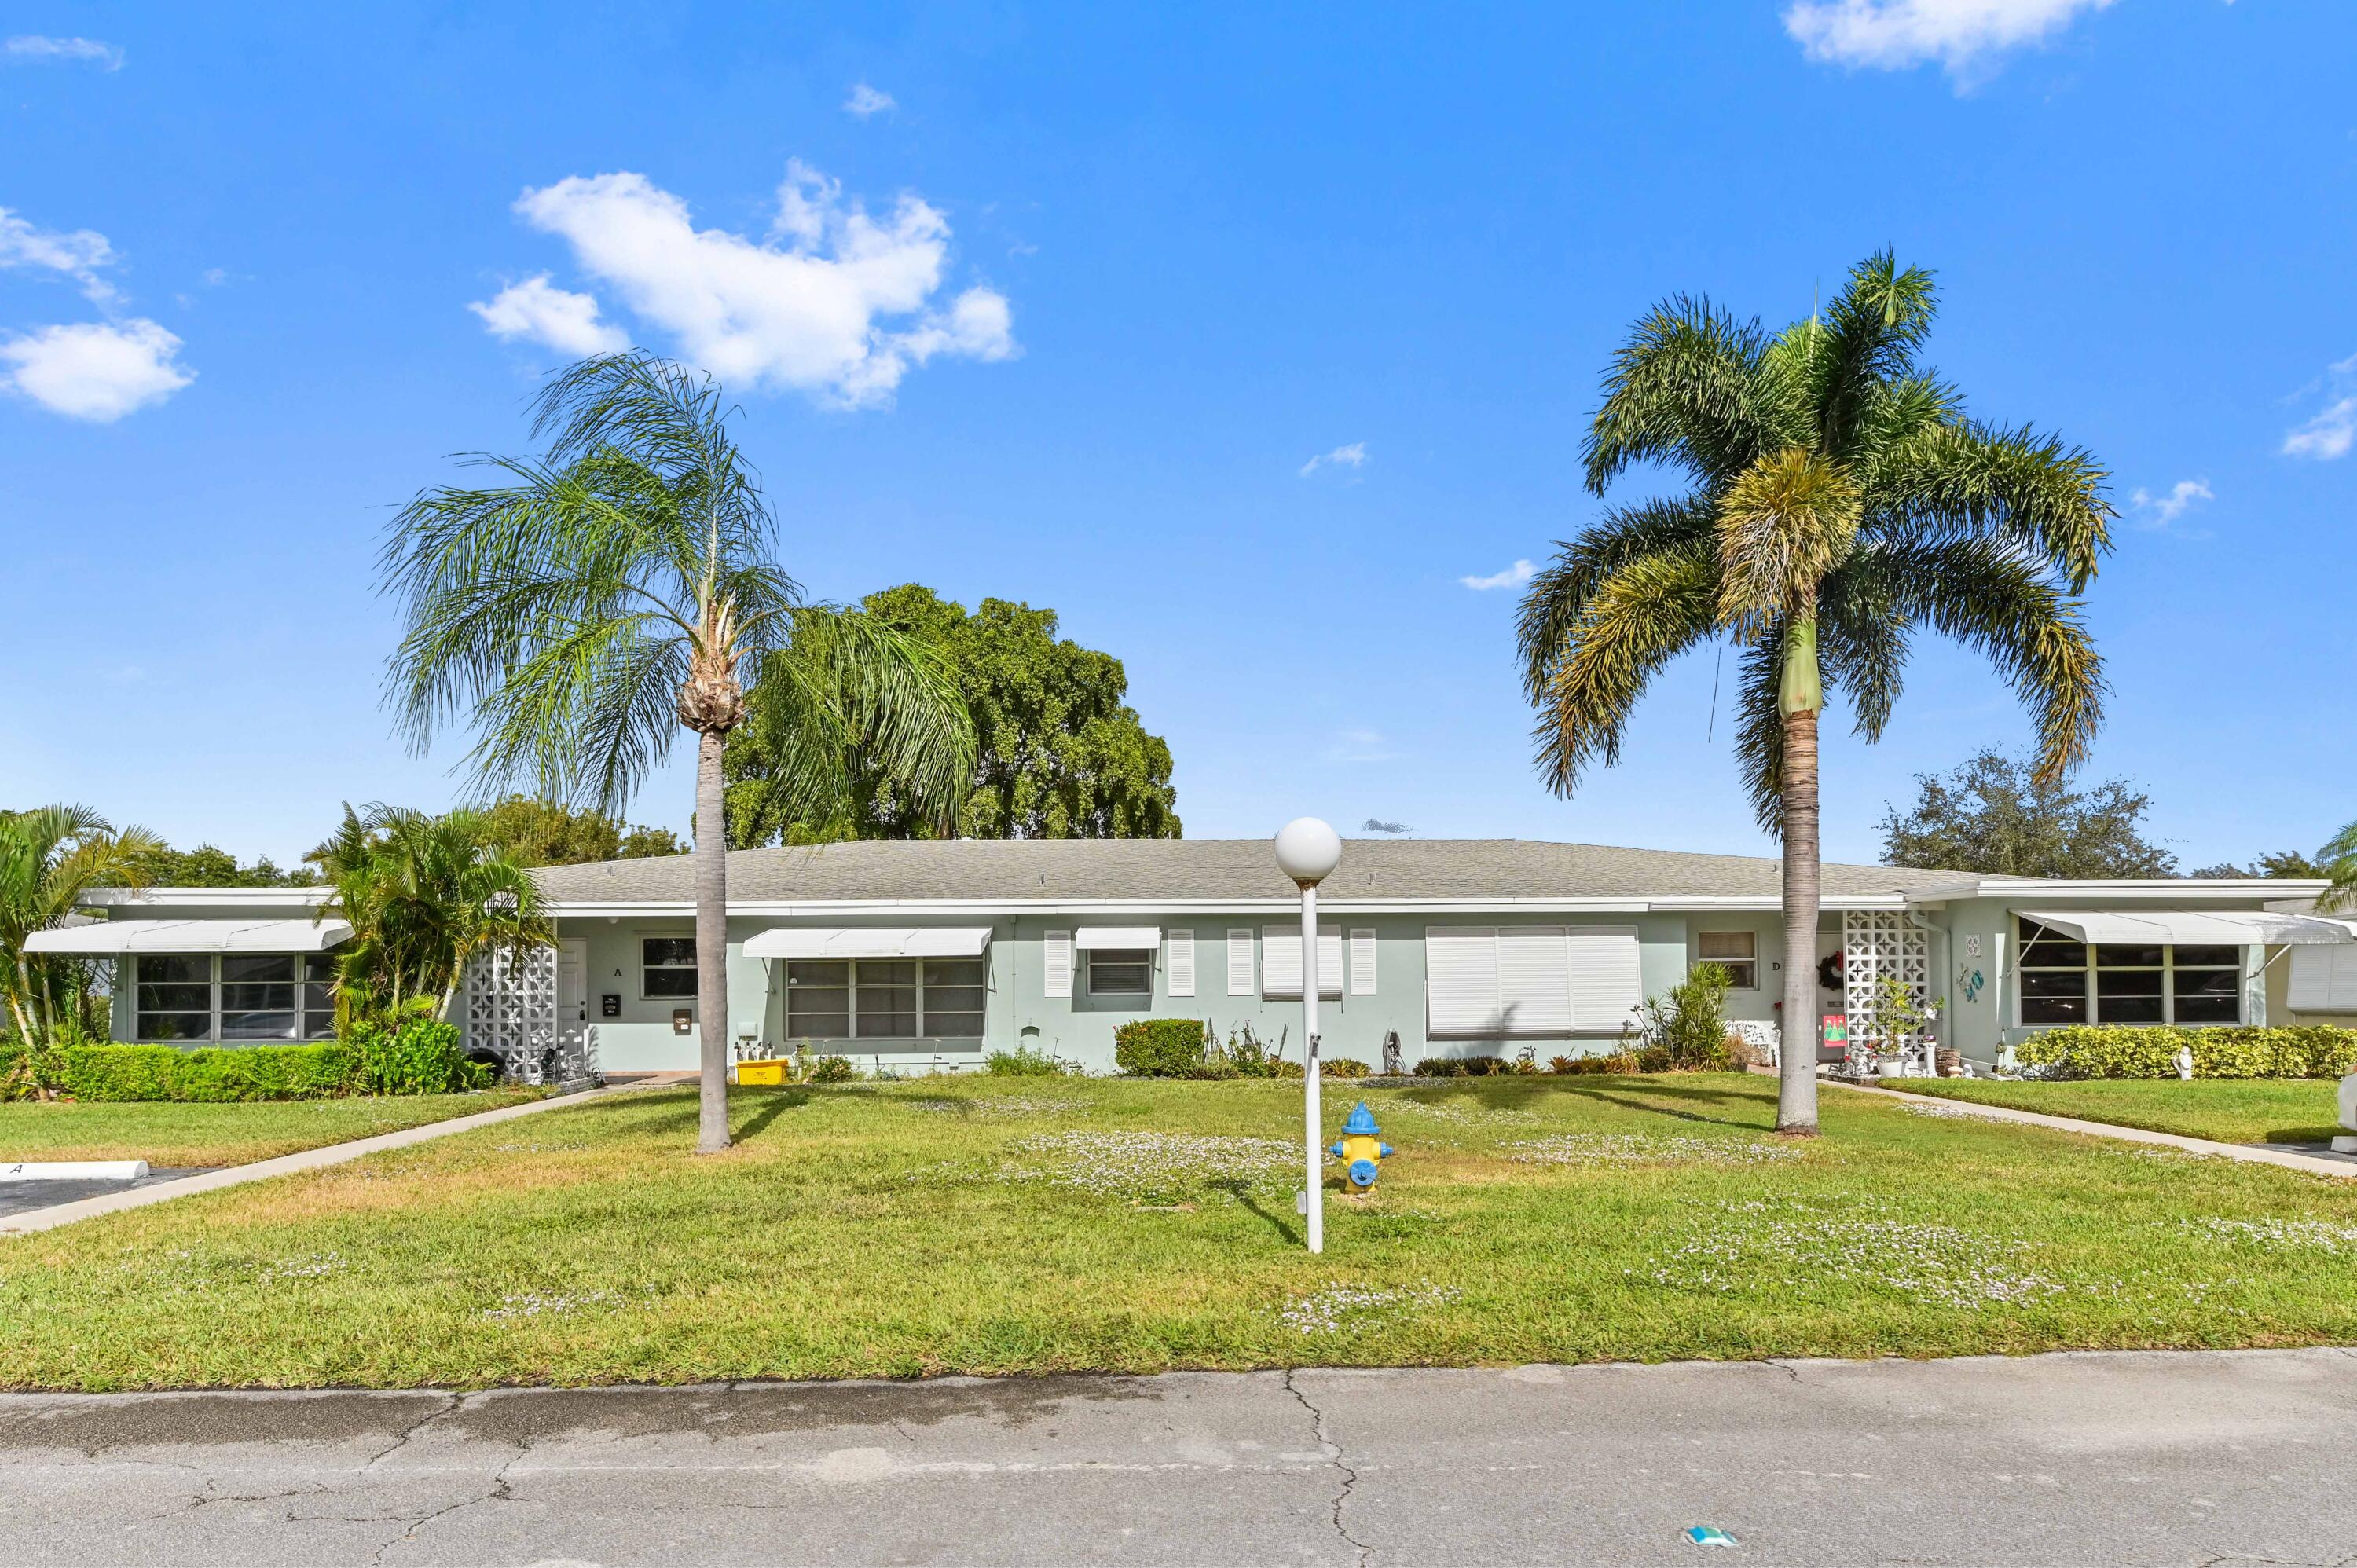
[2231,1111]
[973,1225]
[166,1133]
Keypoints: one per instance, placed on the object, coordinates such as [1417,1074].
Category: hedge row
[2087,1050]
[417,1058]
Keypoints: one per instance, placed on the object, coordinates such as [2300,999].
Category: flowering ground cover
[1009,1226]
[2232,1111]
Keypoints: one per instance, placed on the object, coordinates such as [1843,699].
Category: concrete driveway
[2179,1459]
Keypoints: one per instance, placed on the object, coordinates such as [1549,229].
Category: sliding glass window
[885,998]
[236,998]
[2068,981]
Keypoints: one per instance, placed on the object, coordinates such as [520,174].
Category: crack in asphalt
[497,1493]
[401,1439]
[1333,1452]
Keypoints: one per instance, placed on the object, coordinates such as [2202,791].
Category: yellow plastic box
[772,1070]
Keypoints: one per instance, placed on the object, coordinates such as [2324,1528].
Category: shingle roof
[1008,871]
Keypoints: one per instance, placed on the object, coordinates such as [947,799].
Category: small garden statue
[1360,1148]
[2184,1060]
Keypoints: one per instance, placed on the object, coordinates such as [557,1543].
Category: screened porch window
[2068,982]
[236,998]
[884,999]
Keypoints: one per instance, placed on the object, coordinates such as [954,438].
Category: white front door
[572,991]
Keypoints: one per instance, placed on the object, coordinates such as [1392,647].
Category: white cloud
[1360,745]
[1354,456]
[94,370]
[566,321]
[34,48]
[865,101]
[1513,576]
[835,302]
[79,254]
[2165,510]
[2332,430]
[1891,35]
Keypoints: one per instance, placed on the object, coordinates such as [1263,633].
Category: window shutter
[1460,981]
[1058,964]
[1240,961]
[1533,982]
[2323,979]
[1606,983]
[1362,963]
[1182,963]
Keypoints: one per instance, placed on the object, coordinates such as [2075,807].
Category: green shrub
[1607,1062]
[830,1069]
[2089,1050]
[417,1056]
[1028,1061]
[1343,1067]
[1463,1067]
[1686,1030]
[207,1073]
[1162,1048]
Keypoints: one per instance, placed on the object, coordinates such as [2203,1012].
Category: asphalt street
[2173,1460]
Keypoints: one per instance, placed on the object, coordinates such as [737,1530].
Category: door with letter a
[572,1002]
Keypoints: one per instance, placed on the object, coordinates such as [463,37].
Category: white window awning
[1092,938]
[2195,928]
[868,941]
[192,936]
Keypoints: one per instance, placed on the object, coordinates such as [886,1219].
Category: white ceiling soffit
[192,936]
[1089,938]
[2191,928]
[869,941]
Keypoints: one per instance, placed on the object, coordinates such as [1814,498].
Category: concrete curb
[308,1159]
[2249,1154]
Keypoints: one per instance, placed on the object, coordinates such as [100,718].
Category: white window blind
[1280,962]
[1240,961]
[1508,982]
[1182,963]
[1058,961]
[2323,979]
[1363,962]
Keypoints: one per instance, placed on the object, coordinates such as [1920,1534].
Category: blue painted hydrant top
[1361,1123]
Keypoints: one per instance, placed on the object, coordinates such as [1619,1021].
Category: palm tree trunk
[1796,1095]
[710,945]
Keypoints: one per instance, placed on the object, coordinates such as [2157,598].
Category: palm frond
[1638,620]
[1760,730]
[1786,521]
[1683,390]
[1560,595]
[1957,481]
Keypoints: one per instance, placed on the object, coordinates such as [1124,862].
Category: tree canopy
[1996,814]
[208,866]
[1059,753]
[535,832]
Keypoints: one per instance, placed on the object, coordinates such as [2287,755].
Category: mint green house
[916,955]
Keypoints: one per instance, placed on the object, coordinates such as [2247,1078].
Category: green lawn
[1047,1225]
[167,1134]
[2232,1111]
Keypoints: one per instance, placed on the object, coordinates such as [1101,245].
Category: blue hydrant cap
[1361,1123]
[1363,1172]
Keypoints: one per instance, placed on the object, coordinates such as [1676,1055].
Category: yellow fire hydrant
[1361,1149]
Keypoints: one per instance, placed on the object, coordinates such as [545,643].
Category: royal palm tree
[1837,499]
[49,856]
[425,896]
[620,587]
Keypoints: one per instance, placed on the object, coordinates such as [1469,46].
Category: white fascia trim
[204,897]
[1207,907]
[2173,890]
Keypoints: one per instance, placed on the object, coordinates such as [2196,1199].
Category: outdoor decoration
[1360,1148]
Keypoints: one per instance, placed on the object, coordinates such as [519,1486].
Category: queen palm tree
[49,856]
[424,895]
[1838,499]
[620,587]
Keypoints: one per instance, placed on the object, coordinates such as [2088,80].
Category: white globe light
[1307,851]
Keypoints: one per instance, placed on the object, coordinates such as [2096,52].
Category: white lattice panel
[1875,943]
[511,1007]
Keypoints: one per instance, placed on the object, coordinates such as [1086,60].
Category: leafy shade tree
[49,856]
[548,832]
[596,600]
[1059,753]
[208,866]
[2283,863]
[1999,816]
[424,895]
[1837,499]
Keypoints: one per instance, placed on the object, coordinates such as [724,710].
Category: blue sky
[1061,304]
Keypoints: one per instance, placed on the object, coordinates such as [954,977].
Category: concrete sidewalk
[139,1197]
[2324,1164]
[2148,1458]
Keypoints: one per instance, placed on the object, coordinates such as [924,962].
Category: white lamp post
[1307,851]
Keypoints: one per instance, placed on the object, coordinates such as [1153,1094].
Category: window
[2068,982]
[667,967]
[1500,983]
[233,998]
[1121,971]
[885,998]
[175,997]
[1738,953]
